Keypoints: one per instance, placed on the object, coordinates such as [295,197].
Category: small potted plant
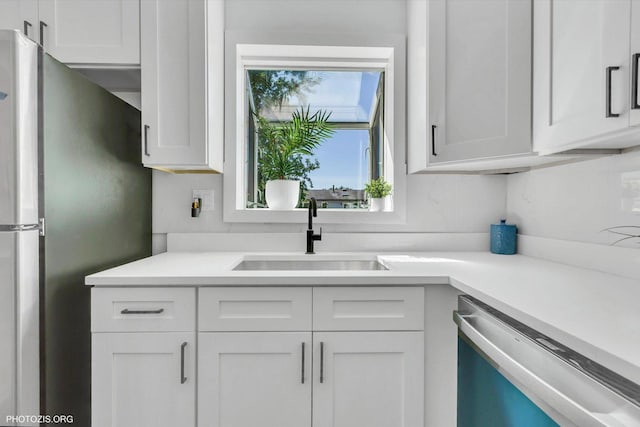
[282,148]
[377,189]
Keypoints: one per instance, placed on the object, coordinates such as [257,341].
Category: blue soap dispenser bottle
[503,238]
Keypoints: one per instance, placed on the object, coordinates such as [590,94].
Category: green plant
[377,188]
[284,147]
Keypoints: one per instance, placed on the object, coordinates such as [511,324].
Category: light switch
[207,199]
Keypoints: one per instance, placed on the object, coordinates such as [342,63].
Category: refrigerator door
[19,325]
[97,205]
[18,129]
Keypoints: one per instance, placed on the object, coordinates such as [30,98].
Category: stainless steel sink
[302,265]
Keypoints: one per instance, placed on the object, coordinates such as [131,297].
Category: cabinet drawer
[368,309]
[254,309]
[143,310]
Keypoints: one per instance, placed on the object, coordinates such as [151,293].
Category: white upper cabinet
[634,115]
[583,74]
[479,79]
[20,15]
[91,31]
[85,32]
[469,80]
[182,94]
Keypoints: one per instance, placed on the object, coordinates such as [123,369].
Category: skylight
[349,95]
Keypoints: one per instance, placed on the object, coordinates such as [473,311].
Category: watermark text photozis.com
[38,419]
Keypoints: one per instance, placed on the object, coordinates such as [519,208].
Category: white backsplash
[331,242]
[437,203]
[577,201]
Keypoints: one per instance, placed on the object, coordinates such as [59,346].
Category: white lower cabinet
[249,379]
[319,373]
[372,379]
[143,379]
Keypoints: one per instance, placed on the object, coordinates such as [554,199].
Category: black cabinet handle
[608,112]
[433,140]
[321,362]
[146,140]
[302,375]
[634,81]
[183,378]
[27,25]
[127,311]
[42,26]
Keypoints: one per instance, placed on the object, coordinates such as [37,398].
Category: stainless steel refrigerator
[74,199]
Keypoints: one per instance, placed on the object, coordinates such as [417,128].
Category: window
[336,172]
[354,86]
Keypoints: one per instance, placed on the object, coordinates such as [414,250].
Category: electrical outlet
[207,199]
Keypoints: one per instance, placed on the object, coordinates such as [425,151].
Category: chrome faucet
[311,236]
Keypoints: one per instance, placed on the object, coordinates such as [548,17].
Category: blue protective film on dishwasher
[488,399]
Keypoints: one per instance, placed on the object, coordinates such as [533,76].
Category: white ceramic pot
[282,194]
[376,205]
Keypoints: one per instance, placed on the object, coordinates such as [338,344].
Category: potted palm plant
[282,150]
[377,189]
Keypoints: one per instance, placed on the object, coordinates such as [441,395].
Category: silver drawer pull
[42,27]
[127,311]
[608,112]
[302,376]
[183,378]
[321,362]
[27,25]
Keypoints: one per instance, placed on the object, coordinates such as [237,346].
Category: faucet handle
[318,236]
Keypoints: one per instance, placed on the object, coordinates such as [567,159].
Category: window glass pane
[348,95]
[344,169]
[337,168]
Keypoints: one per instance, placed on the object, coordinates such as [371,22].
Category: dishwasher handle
[528,382]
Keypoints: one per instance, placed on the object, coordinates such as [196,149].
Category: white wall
[330,16]
[576,201]
[436,203]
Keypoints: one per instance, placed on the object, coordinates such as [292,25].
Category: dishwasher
[511,375]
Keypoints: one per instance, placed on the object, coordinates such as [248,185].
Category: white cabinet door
[634,118]
[248,379]
[175,79]
[479,79]
[20,15]
[373,379]
[91,31]
[143,379]
[581,74]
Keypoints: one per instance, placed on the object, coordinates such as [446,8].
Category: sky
[344,160]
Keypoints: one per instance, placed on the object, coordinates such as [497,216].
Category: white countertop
[596,314]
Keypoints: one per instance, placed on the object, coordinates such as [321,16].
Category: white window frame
[272,51]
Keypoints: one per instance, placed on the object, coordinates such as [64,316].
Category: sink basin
[304,264]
